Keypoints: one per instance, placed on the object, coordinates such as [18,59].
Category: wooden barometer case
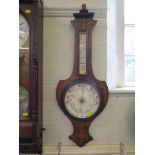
[30,76]
[82,97]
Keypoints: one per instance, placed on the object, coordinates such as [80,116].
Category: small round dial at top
[82,100]
[23,30]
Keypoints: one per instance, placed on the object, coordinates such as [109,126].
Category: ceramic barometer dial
[82,97]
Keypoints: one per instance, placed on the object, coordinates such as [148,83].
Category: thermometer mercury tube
[82,56]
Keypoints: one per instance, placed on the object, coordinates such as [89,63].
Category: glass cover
[23,30]
[23,103]
[24,68]
[82,100]
[82,59]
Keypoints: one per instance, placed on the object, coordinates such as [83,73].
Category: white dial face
[82,100]
[23,30]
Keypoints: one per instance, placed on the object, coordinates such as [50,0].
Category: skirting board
[101,149]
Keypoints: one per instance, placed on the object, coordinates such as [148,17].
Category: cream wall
[116,123]
[73,3]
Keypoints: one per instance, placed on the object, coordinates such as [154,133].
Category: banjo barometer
[82,97]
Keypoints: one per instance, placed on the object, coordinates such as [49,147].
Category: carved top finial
[84,8]
[84,13]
